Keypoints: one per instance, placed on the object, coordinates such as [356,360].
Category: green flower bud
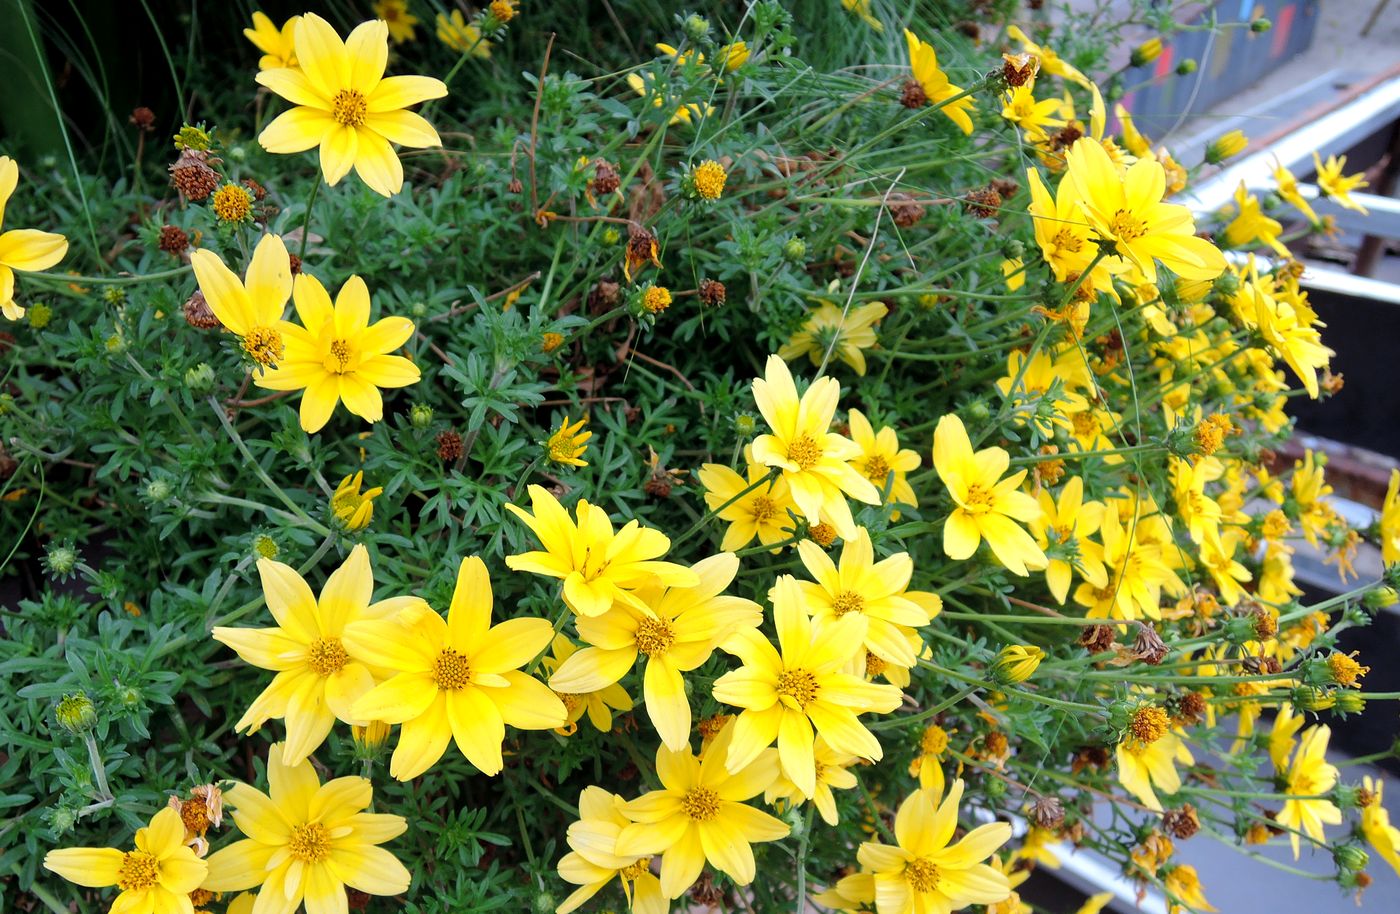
[7,403]
[978,411]
[128,697]
[39,316]
[115,344]
[60,558]
[794,250]
[75,713]
[745,424]
[265,546]
[696,27]
[1186,67]
[1014,249]
[1016,663]
[1380,598]
[1351,857]
[200,378]
[611,236]
[544,903]
[995,788]
[158,490]
[418,310]
[420,415]
[1260,25]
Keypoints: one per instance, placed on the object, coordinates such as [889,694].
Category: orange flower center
[700,804]
[339,358]
[1127,227]
[263,345]
[922,875]
[847,601]
[763,509]
[310,843]
[805,452]
[654,636]
[978,499]
[798,685]
[349,108]
[877,470]
[641,867]
[451,670]
[327,656]
[1067,242]
[138,871]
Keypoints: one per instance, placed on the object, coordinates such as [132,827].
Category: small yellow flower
[1250,224]
[735,55]
[502,10]
[1375,824]
[1288,190]
[1147,52]
[1143,766]
[1337,186]
[1016,663]
[881,456]
[1389,523]
[861,8]
[399,19]
[232,204]
[157,875]
[762,512]
[937,90]
[568,443]
[593,861]
[351,507]
[834,331]
[462,36]
[683,113]
[656,299]
[278,45]
[551,341]
[1224,147]
[598,704]
[1184,885]
[23,250]
[708,178]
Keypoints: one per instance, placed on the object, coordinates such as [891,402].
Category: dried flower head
[983,202]
[192,176]
[198,314]
[712,293]
[173,240]
[1181,823]
[449,446]
[143,119]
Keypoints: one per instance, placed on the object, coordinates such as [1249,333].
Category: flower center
[1085,424]
[138,871]
[978,499]
[877,470]
[922,875]
[348,108]
[451,670]
[654,636]
[1067,241]
[339,358]
[640,868]
[571,701]
[263,345]
[805,452]
[327,656]
[1127,227]
[310,843]
[701,804]
[874,665]
[797,688]
[847,601]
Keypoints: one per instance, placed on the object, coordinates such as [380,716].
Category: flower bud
[200,378]
[695,27]
[745,425]
[1350,857]
[75,713]
[60,558]
[794,250]
[1380,598]
[1016,663]
[995,788]
[370,739]
[158,490]
[420,415]
[1222,148]
[1259,26]
[265,546]
[1146,52]
[1186,67]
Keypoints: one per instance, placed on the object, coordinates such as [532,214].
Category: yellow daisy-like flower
[307,843]
[677,630]
[861,9]
[338,356]
[1064,235]
[1143,766]
[593,861]
[1306,779]
[352,507]
[400,21]
[25,250]
[317,680]
[1250,224]
[1020,108]
[799,687]
[458,679]
[1128,213]
[878,591]
[832,774]
[1287,185]
[1184,885]
[598,565]
[987,506]
[462,36]
[598,705]
[832,331]
[1389,523]
[699,814]
[278,45]
[1337,186]
[1375,823]
[762,512]
[881,456]
[252,307]
[347,106]
[922,872]
[923,61]
[156,876]
[684,114]
[814,460]
[568,443]
[1070,521]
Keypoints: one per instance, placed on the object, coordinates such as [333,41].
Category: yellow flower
[1063,234]
[923,60]
[455,679]
[877,591]
[699,814]
[861,8]
[462,36]
[598,704]
[1290,333]
[677,629]
[708,178]
[157,875]
[1389,523]
[922,872]
[1020,108]
[1252,225]
[735,55]
[1336,185]
[1308,777]
[987,506]
[1071,521]
[1147,52]
[1218,558]
[317,680]
[1139,570]
[854,894]
[1288,190]
[251,308]
[338,356]
[400,21]
[831,775]
[1375,824]
[683,113]
[1128,213]
[568,443]
[814,460]
[308,843]
[599,566]
[1095,903]
[25,250]
[344,104]
[786,692]
[277,45]
[762,512]
[1016,663]
[593,862]
[352,507]
[1143,766]
[1184,885]
[833,331]
[1222,148]
[881,456]
[1034,380]
[1049,61]
[656,299]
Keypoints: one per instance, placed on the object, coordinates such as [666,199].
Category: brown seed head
[983,202]
[198,314]
[192,176]
[449,446]
[913,96]
[1149,645]
[712,293]
[1181,823]
[1048,813]
[1097,639]
[173,240]
[143,119]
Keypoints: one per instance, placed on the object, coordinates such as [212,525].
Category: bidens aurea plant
[826,450]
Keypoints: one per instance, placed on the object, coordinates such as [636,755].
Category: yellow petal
[29,249]
[223,291]
[338,150]
[397,92]
[404,128]
[360,397]
[422,741]
[269,279]
[367,47]
[477,728]
[241,865]
[295,86]
[377,164]
[296,130]
[94,867]
[318,402]
[321,54]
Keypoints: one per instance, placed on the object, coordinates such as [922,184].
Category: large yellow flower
[598,565]
[345,104]
[455,679]
[155,877]
[307,843]
[25,250]
[250,308]
[317,680]
[987,506]
[814,460]
[699,814]
[593,861]
[677,629]
[762,512]
[1064,235]
[1308,777]
[1127,212]
[923,61]
[833,331]
[789,691]
[924,873]
[278,45]
[338,356]
[878,591]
